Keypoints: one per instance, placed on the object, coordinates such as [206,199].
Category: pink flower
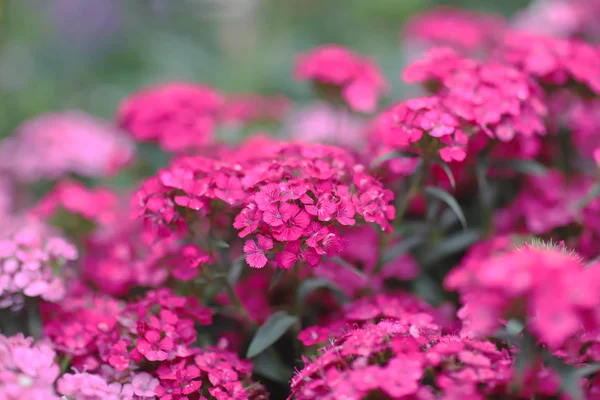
[247,220]
[359,79]
[30,260]
[177,115]
[276,215]
[554,61]
[144,384]
[462,29]
[248,108]
[255,253]
[323,209]
[86,386]
[539,277]
[153,347]
[268,196]
[52,146]
[294,224]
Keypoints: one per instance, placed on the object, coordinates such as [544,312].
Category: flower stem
[238,305]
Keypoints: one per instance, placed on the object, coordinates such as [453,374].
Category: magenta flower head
[71,200]
[545,286]
[27,369]
[461,29]
[52,146]
[554,62]
[30,261]
[86,386]
[243,109]
[300,197]
[355,78]
[497,99]
[393,359]
[179,116]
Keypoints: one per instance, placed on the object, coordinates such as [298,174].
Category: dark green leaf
[349,267]
[270,332]
[310,285]
[270,366]
[390,156]
[428,289]
[452,245]
[404,246]
[279,272]
[449,200]
[529,167]
[234,273]
[570,378]
[525,357]
[448,172]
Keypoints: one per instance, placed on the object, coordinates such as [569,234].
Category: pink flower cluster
[469,97]
[53,146]
[30,265]
[95,205]
[299,197]
[548,289]
[108,339]
[358,79]
[157,327]
[495,98]
[550,202]
[117,259]
[86,386]
[178,116]
[27,369]
[560,18]
[495,173]
[402,307]
[555,62]
[323,123]
[400,362]
[446,26]
[295,197]
[243,109]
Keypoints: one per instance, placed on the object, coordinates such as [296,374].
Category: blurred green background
[89,54]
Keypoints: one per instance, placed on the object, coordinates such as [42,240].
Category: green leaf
[404,246]
[448,172]
[276,278]
[221,244]
[594,192]
[310,285]
[346,265]
[270,366]
[234,273]
[270,332]
[428,289]
[528,167]
[390,156]
[452,245]
[449,200]
[525,356]
[588,370]
[570,378]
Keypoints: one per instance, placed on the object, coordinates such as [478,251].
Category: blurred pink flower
[322,123]
[27,369]
[51,146]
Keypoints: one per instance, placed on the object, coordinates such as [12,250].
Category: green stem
[238,305]
[413,190]
[65,363]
